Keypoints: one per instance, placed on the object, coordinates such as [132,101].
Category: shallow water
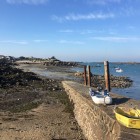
[55,75]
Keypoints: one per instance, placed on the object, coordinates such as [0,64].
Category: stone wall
[94,122]
[99,122]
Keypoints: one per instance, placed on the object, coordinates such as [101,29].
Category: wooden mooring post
[107,75]
[89,76]
[85,75]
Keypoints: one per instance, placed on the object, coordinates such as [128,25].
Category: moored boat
[119,70]
[129,118]
[100,97]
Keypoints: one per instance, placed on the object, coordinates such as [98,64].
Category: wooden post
[107,75]
[89,76]
[85,76]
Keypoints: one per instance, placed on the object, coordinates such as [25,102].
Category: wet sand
[53,72]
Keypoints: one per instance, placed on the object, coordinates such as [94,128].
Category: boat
[119,70]
[98,65]
[128,117]
[100,97]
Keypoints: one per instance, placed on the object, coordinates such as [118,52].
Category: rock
[60,63]
[118,82]
[79,74]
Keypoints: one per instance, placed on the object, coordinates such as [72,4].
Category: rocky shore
[60,63]
[47,62]
[115,81]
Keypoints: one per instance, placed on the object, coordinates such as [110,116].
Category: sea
[130,70]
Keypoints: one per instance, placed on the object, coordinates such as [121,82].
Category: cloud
[102,2]
[14,42]
[88,31]
[117,39]
[23,42]
[66,31]
[76,17]
[40,40]
[71,42]
[34,2]
[79,31]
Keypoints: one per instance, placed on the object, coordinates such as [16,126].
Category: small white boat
[119,70]
[100,98]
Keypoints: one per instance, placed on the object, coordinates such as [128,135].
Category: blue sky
[76,30]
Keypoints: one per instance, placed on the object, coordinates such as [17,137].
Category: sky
[71,30]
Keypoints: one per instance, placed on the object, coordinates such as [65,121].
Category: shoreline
[54,72]
[66,73]
[122,85]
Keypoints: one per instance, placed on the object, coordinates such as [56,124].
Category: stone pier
[98,122]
